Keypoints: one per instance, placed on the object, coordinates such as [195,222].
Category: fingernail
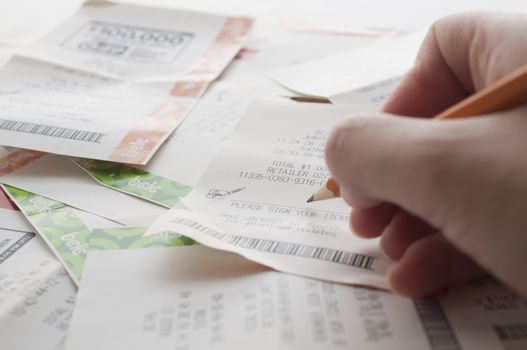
[384,254]
[353,228]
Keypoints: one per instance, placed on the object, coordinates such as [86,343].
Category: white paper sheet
[252,198]
[36,294]
[19,24]
[5,54]
[276,43]
[185,155]
[133,42]
[364,75]
[198,298]
[114,81]
[58,178]
[484,307]
[50,108]
[93,221]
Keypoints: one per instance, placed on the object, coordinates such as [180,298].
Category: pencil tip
[310,199]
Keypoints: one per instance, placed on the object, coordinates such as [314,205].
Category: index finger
[440,76]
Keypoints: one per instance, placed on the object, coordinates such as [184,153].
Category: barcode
[436,325]
[16,246]
[48,130]
[286,248]
[511,331]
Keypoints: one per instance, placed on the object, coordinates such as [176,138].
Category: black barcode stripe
[16,246]
[511,331]
[52,131]
[436,325]
[286,248]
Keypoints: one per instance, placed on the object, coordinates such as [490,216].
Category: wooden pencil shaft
[505,93]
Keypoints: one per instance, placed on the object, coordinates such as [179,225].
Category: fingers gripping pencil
[330,189]
[505,93]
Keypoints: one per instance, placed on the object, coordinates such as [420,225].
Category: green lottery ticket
[59,227]
[132,238]
[70,239]
[133,181]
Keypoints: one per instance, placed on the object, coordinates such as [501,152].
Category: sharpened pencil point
[310,199]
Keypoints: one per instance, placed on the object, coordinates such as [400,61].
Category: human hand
[448,198]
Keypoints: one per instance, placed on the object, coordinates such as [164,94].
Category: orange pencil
[505,93]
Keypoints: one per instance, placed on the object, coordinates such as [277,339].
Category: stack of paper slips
[130,127]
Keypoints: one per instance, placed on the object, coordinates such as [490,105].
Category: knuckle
[336,141]
[344,137]
[457,20]
[436,166]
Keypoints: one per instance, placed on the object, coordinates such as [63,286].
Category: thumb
[403,161]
